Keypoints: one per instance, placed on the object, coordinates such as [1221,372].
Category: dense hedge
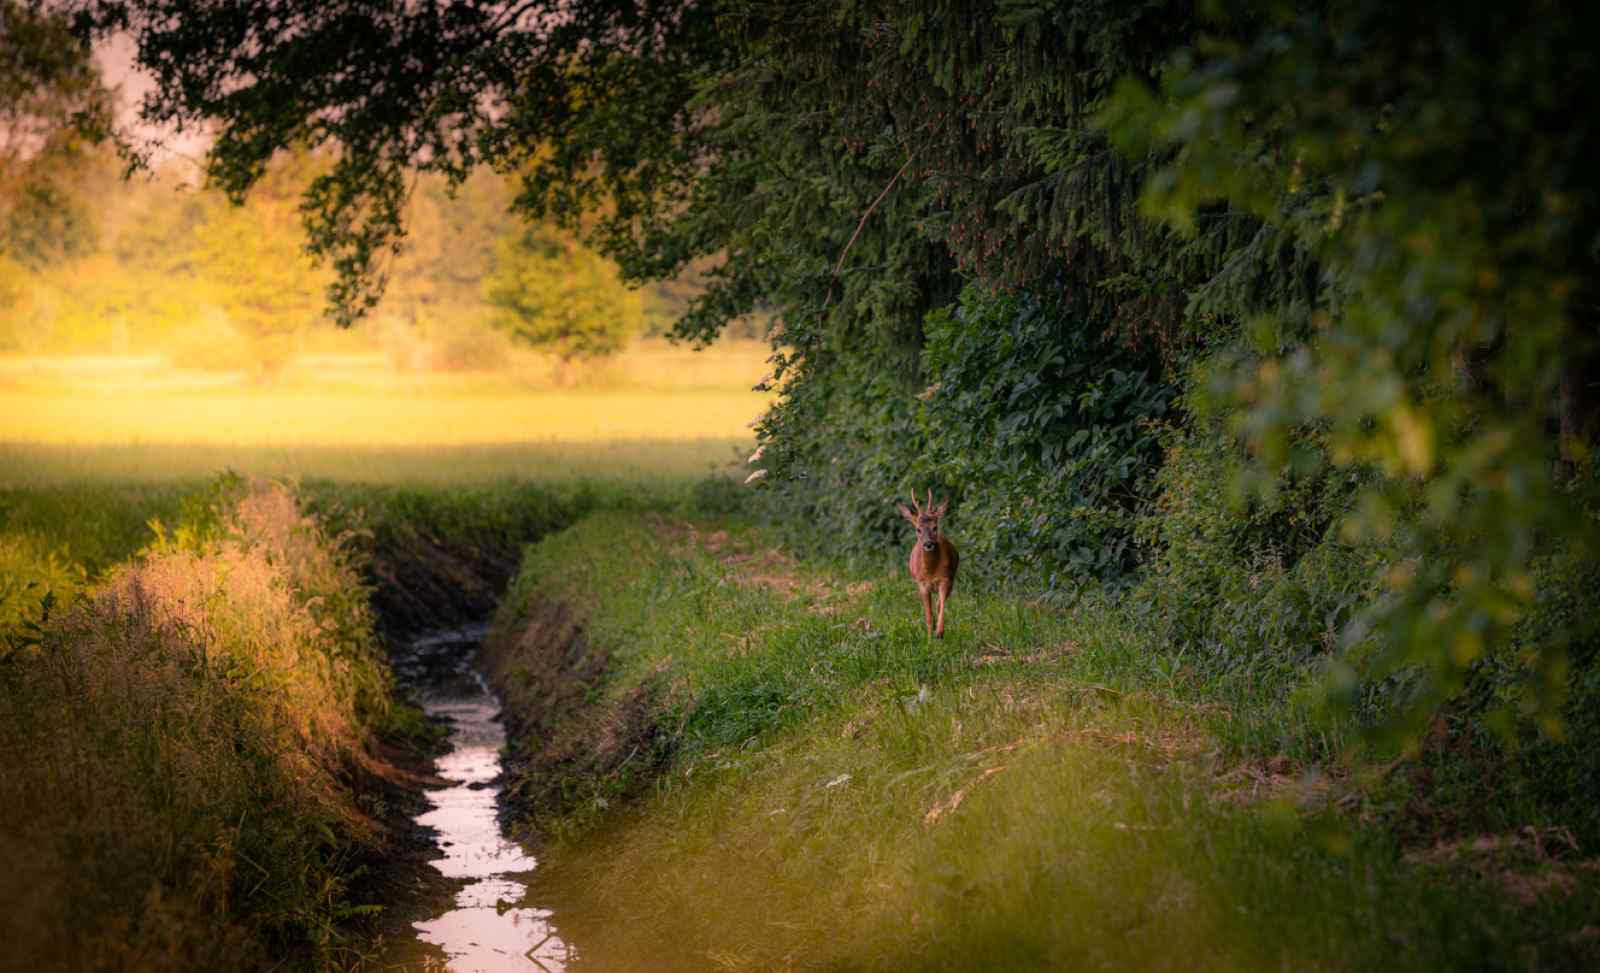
[1043,432]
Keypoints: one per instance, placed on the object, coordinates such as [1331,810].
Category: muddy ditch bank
[435,572]
[425,581]
[436,559]
[570,745]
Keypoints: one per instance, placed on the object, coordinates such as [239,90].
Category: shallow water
[491,928]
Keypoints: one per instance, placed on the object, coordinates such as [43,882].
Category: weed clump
[179,749]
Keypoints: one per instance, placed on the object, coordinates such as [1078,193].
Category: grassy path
[778,771]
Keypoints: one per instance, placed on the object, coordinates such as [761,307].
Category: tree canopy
[1289,306]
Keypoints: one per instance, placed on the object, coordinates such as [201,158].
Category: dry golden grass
[174,789]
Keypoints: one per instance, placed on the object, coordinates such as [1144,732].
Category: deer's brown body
[933,561]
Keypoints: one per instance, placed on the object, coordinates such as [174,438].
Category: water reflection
[489,930]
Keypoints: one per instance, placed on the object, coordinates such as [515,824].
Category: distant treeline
[92,264]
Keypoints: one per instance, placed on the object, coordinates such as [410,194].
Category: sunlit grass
[653,415]
[646,463]
[181,747]
[301,417]
[1032,792]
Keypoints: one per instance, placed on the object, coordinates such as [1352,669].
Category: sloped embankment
[828,789]
[570,743]
[187,753]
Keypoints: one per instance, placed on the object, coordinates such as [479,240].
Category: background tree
[450,246]
[53,109]
[556,294]
[252,258]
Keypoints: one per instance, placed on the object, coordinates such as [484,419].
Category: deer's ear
[941,508]
[906,512]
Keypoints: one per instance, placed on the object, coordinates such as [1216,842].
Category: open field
[649,462]
[652,364]
[281,417]
[650,392]
[654,412]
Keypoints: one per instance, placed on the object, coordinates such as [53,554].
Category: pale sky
[115,57]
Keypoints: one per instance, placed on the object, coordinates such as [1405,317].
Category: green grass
[69,513]
[644,465]
[1040,790]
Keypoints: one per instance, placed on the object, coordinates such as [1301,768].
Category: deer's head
[925,520]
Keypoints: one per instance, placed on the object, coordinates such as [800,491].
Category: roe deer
[933,560]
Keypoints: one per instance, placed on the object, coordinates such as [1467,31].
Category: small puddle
[490,929]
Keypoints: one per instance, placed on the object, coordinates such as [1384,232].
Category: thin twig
[840,265]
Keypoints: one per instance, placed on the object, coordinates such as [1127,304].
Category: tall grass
[1039,790]
[176,755]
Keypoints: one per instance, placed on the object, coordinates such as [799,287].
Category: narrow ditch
[488,926]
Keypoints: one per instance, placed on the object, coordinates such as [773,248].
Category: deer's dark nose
[929,546]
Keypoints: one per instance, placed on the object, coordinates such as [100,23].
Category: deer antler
[930,499]
[915,506]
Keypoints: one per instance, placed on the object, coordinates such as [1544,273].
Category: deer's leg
[944,592]
[927,608]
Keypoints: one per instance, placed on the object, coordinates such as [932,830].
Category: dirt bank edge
[575,742]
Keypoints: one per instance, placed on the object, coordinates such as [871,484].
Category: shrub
[1249,577]
[1043,424]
